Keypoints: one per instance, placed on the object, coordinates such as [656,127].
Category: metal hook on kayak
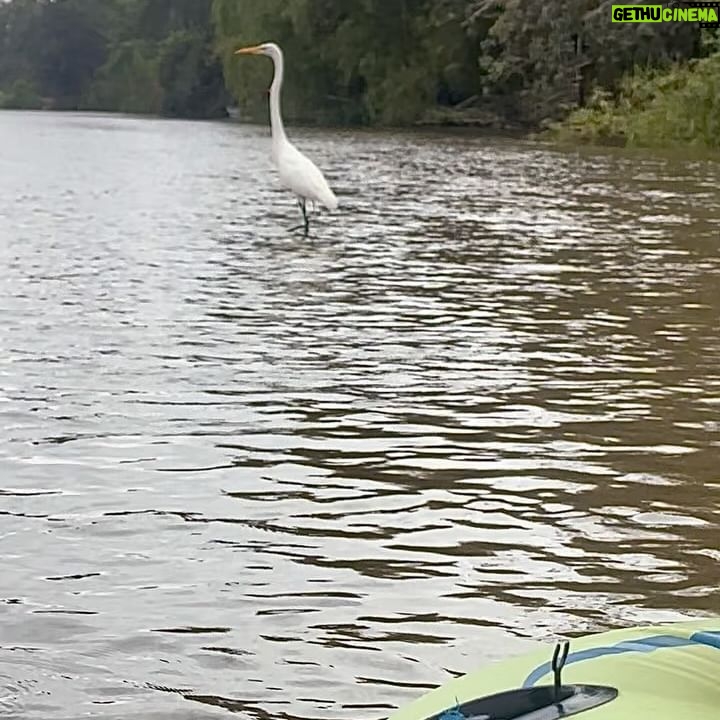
[558,663]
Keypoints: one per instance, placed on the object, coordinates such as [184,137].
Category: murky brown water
[243,471]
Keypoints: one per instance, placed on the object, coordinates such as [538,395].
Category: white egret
[297,172]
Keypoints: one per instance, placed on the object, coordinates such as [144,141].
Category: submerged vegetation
[495,63]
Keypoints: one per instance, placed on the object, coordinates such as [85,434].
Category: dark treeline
[492,62]
[145,56]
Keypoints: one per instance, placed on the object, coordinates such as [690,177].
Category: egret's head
[264,49]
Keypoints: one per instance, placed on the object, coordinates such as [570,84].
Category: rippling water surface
[246,472]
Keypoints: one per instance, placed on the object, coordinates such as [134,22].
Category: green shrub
[21,96]
[128,81]
[655,109]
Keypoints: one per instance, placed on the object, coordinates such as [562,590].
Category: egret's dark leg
[305,217]
[306,221]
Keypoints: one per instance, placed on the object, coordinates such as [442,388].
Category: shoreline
[566,140]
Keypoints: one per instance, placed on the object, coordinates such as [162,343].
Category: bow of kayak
[665,672]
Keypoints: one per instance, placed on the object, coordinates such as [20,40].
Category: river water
[243,471]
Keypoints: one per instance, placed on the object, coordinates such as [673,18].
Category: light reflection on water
[312,478]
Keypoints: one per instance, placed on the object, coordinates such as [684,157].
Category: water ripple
[246,472]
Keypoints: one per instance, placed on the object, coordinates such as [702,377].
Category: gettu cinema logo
[707,14]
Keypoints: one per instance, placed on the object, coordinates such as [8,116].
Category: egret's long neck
[278,129]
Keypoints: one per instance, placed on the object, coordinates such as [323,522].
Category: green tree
[546,54]
[22,95]
[127,55]
[128,81]
[190,77]
[380,61]
[70,46]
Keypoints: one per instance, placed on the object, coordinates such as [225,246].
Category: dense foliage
[676,107]
[493,62]
[352,60]
[148,56]
[547,56]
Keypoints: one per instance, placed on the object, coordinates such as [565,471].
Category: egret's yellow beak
[254,50]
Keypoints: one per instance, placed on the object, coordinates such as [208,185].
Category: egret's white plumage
[297,172]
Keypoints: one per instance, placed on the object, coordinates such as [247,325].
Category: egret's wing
[302,176]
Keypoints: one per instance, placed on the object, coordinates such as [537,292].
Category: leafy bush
[655,108]
[128,82]
[22,96]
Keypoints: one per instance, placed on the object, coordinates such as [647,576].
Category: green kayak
[666,672]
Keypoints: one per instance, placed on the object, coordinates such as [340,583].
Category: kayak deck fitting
[645,673]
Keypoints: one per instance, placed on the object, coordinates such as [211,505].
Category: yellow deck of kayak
[665,672]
